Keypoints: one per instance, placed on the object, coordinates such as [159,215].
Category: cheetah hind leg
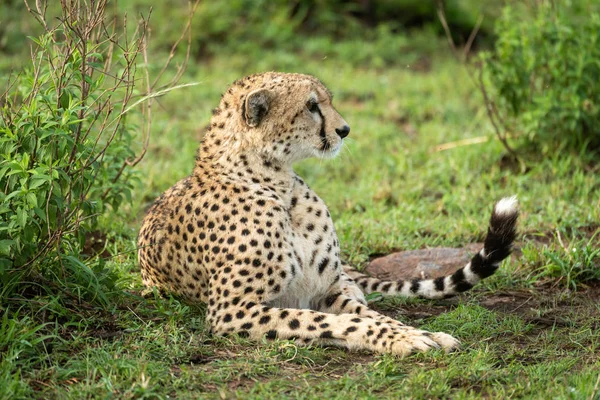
[306,326]
[342,301]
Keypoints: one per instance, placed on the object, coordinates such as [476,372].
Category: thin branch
[181,69]
[39,13]
[472,36]
[442,16]
[490,110]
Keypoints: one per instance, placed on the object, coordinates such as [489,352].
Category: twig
[147,117]
[490,110]
[472,36]
[156,94]
[560,241]
[442,16]
[181,69]
[39,15]
[461,143]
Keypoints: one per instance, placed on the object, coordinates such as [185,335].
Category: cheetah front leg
[351,331]
[346,298]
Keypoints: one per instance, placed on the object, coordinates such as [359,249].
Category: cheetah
[248,237]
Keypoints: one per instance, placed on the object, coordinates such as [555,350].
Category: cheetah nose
[343,131]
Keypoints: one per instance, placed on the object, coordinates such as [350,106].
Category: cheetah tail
[497,246]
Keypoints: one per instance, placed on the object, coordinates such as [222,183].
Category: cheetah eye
[312,106]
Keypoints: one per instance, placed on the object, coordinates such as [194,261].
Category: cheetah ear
[256,106]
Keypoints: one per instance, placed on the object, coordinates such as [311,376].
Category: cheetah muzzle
[244,234]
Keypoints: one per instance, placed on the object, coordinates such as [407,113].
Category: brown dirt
[95,244]
[543,307]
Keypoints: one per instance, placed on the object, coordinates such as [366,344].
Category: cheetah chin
[247,236]
[332,153]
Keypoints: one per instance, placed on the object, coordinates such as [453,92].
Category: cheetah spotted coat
[247,236]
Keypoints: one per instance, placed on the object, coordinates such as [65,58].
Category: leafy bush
[543,76]
[66,142]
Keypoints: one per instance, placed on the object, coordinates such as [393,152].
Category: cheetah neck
[248,168]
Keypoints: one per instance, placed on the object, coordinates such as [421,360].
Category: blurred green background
[421,168]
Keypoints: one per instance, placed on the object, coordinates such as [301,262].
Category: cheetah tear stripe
[497,246]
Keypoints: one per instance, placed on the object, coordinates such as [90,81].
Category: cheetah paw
[416,341]
[445,341]
[421,341]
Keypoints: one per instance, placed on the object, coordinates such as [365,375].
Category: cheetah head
[284,117]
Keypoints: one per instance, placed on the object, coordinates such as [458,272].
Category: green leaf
[32,199]
[5,246]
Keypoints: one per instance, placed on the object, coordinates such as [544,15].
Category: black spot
[460,284]
[323,264]
[327,335]
[381,333]
[439,284]
[329,300]
[272,334]
[345,303]
[415,285]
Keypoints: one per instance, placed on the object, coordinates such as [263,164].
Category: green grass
[531,331]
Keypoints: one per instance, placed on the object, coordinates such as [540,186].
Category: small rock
[423,264]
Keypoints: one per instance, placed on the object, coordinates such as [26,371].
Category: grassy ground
[530,331]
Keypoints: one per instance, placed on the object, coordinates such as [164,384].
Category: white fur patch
[427,289]
[470,277]
[507,206]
